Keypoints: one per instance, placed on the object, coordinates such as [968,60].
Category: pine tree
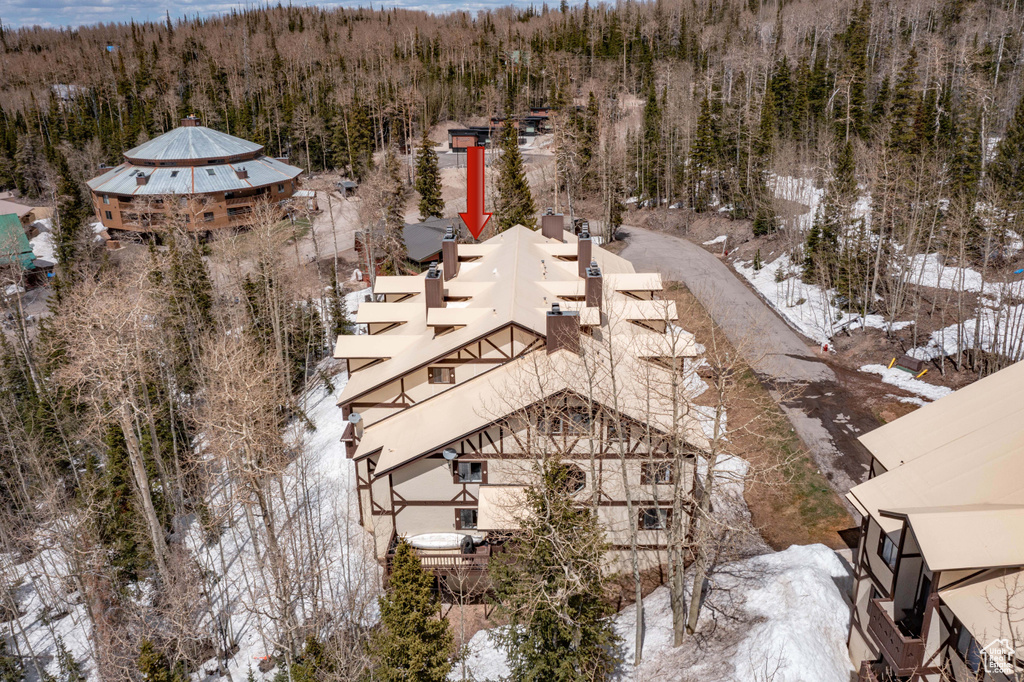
[391,211]
[514,203]
[428,180]
[154,666]
[413,642]
[550,588]
[69,221]
[28,167]
[1007,168]
[651,169]
[704,158]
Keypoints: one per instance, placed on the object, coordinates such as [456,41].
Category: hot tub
[440,540]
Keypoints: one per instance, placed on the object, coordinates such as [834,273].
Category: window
[968,649]
[174,174]
[575,480]
[280,187]
[654,518]
[108,214]
[617,430]
[106,198]
[465,519]
[208,216]
[580,420]
[210,171]
[441,375]
[655,472]
[470,472]
[888,552]
[553,425]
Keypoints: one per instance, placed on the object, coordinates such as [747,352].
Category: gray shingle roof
[192,142]
[423,240]
[193,179]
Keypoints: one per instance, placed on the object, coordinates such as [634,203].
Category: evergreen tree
[70,235]
[514,203]
[428,180]
[154,666]
[413,643]
[1007,168]
[650,152]
[28,167]
[704,158]
[340,322]
[822,247]
[550,588]
[391,209]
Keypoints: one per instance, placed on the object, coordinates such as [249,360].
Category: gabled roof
[971,536]
[982,604]
[512,281]
[491,397]
[191,143]
[995,403]
[14,244]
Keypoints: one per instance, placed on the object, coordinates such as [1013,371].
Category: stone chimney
[584,253]
[450,254]
[189,122]
[595,286]
[433,288]
[552,225]
[563,329]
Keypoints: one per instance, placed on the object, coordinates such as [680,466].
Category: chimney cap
[549,211]
[433,273]
[449,232]
[556,309]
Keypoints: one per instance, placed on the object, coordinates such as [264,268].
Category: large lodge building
[477,369]
[216,179]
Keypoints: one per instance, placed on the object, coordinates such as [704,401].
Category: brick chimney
[552,225]
[141,178]
[189,122]
[450,254]
[433,288]
[595,286]
[241,172]
[584,253]
[563,329]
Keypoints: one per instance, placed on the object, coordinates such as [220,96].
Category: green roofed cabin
[14,243]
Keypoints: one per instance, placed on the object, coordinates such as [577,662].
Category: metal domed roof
[191,142]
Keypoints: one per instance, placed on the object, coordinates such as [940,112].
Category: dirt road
[827,413]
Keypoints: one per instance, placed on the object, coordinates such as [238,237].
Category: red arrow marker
[474,217]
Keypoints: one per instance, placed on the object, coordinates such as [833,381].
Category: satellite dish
[355,418]
[449,454]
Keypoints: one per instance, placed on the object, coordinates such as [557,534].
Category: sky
[18,13]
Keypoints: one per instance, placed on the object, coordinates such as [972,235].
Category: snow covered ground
[807,307]
[901,379]
[785,614]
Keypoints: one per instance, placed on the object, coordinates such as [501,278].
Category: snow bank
[42,246]
[717,240]
[999,330]
[901,379]
[808,308]
[784,612]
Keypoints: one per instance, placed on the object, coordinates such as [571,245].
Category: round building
[214,180]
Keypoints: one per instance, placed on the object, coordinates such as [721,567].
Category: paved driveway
[825,415]
[771,347]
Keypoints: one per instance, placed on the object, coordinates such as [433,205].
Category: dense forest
[124,488]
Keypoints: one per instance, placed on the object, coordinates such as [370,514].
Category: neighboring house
[423,239]
[347,187]
[214,178]
[939,586]
[459,139]
[14,246]
[472,371]
[21,211]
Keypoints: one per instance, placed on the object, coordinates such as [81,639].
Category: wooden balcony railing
[867,673]
[903,654]
[239,201]
[449,561]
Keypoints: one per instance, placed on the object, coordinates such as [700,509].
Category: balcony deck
[450,562]
[903,654]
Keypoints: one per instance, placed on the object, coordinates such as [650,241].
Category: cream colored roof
[635,281]
[491,397]
[372,311]
[981,604]
[388,284]
[379,346]
[993,403]
[500,507]
[972,536]
[985,469]
[453,317]
[509,282]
